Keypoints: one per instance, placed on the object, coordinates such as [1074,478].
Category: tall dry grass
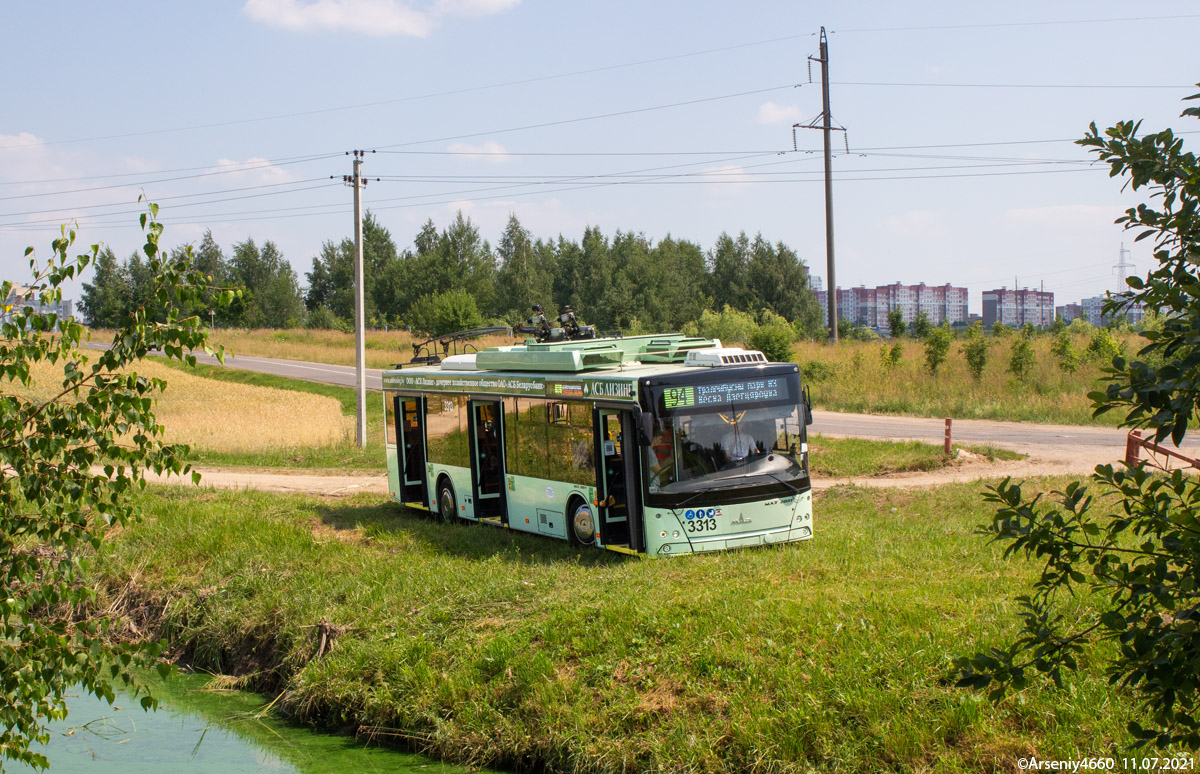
[223,416]
[851,376]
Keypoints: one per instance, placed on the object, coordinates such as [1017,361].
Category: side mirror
[645,427]
[807,407]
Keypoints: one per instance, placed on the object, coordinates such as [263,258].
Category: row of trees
[270,291]
[453,278]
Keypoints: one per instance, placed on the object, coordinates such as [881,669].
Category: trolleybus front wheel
[582,527]
[447,504]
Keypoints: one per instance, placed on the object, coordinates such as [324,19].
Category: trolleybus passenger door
[410,416]
[487,461]
[619,504]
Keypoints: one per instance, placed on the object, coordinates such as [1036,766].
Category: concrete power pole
[360,356]
[826,126]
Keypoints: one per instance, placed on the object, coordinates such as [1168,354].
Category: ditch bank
[496,649]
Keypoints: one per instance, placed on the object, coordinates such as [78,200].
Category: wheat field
[223,416]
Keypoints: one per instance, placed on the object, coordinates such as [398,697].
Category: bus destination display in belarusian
[724,393]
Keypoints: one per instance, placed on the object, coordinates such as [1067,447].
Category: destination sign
[726,393]
[507,384]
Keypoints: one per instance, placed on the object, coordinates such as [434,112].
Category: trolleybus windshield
[740,439]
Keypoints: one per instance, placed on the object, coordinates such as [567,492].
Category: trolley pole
[360,370]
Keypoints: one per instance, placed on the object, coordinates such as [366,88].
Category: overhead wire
[1046,23]
[416,97]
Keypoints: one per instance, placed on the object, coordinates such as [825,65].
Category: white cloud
[487,151]
[1066,215]
[252,171]
[469,8]
[22,140]
[726,180]
[925,224]
[379,18]
[772,113]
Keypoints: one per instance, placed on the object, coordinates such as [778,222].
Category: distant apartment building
[1092,310]
[870,306]
[1016,308]
[1068,312]
[22,296]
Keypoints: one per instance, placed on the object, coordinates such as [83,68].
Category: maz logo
[741,519]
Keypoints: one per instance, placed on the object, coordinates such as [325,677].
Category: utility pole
[826,126]
[360,356]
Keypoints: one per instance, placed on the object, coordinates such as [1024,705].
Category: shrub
[976,350]
[774,337]
[1103,347]
[817,371]
[896,324]
[1022,359]
[1066,352]
[728,325]
[921,326]
[937,346]
[322,318]
[445,313]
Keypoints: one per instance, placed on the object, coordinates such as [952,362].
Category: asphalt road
[1016,435]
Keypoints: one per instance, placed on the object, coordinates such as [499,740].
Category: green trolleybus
[654,445]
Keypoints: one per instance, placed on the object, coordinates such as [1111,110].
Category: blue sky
[234,115]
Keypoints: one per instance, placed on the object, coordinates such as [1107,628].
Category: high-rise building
[870,306]
[1068,312]
[1093,311]
[22,296]
[1018,307]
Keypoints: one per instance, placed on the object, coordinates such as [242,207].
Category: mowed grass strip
[216,417]
[850,457]
[490,647]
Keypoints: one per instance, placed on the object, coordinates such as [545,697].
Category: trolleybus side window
[570,443]
[446,429]
[389,417]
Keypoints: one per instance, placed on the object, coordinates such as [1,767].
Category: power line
[1012,85]
[1019,24]
[159,180]
[240,167]
[325,184]
[595,117]
[166,198]
[416,97]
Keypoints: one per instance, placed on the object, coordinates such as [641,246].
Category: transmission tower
[1122,264]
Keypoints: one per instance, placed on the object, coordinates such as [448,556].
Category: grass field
[852,377]
[490,647]
[229,418]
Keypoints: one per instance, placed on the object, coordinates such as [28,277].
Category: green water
[197,731]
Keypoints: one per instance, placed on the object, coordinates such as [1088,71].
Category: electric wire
[417,97]
[992,25]
[565,121]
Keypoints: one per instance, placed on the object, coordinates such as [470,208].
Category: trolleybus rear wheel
[447,504]
[582,527]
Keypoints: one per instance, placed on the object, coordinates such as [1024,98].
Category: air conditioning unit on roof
[724,356]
